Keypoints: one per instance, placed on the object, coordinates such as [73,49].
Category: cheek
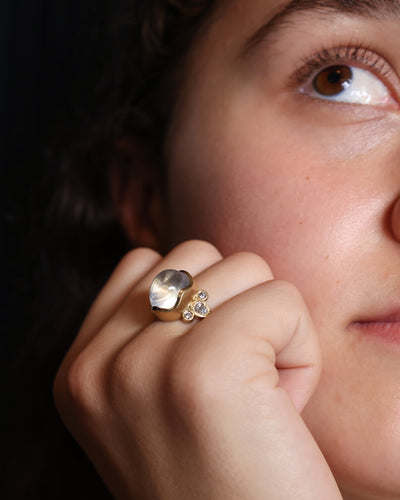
[354,416]
[250,191]
[266,185]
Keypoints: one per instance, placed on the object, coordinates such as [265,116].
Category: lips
[382,326]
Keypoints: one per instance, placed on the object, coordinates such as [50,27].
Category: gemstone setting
[202,295]
[167,289]
[197,308]
[201,309]
[173,296]
[188,315]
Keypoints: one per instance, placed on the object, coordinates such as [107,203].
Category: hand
[208,410]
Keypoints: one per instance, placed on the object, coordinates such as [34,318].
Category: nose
[396,219]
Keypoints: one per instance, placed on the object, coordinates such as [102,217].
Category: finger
[123,305]
[141,356]
[247,350]
[129,271]
[222,281]
[264,336]
[81,375]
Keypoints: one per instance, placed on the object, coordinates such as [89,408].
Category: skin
[160,407]
[257,166]
[312,187]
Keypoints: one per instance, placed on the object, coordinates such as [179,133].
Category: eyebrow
[373,9]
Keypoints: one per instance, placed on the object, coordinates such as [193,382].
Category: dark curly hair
[121,107]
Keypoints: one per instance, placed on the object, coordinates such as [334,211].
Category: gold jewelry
[173,296]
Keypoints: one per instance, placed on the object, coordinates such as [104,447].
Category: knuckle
[76,389]
[254,264]
[200,247]
[137,256]
[192,385]
[289,293]
[128,380]
[121,375]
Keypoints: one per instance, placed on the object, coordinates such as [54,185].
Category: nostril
[396,219]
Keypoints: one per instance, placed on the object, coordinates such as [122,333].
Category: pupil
[335,76]
[333,80]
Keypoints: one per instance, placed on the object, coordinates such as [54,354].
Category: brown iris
[333,80]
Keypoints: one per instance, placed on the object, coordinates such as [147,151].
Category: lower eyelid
[326,113]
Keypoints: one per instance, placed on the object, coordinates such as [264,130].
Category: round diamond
[187,315]
[166,288]
[201,310]
[202,295]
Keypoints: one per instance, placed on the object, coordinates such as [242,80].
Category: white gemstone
[187,315]
[201,309]
[166,287]
[202,295]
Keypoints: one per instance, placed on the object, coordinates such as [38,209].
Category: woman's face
[272,152]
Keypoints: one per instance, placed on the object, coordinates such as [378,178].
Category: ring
[173,296]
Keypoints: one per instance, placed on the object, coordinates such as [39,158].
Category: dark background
[57,72]
[49,62]
[51,57]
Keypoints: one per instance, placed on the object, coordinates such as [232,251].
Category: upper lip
[390,315]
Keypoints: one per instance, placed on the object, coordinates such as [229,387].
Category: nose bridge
[395,163]
[395,219]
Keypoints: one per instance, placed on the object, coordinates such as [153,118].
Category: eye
[352,74]
[341,83]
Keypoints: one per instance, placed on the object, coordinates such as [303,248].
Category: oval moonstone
[166,287]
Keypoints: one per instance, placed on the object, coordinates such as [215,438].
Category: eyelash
[352,54]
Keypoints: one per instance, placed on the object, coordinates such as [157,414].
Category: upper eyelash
[355,53]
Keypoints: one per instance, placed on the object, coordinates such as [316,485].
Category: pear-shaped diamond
[201,309]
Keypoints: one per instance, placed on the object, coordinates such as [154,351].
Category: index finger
[131,281]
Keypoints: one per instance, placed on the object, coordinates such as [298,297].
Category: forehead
[238,25]
[362,7]
[276,12]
